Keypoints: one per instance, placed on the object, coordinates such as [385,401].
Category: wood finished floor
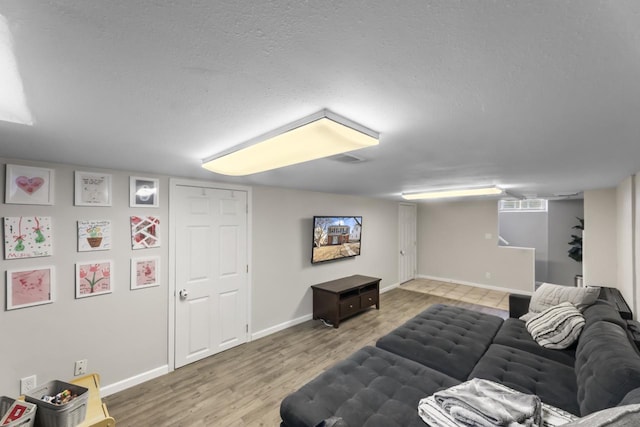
[245,385]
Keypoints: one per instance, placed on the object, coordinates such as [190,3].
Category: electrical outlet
[27,384]
[487,275]
[80,368]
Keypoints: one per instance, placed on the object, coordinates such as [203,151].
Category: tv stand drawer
[368,299]
[349,306]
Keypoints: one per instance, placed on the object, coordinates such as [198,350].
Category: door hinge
[247,327]
[247,268]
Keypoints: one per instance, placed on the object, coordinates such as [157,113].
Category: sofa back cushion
[602,310]
[607,367]
[549,295]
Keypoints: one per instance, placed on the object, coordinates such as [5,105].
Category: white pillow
[557,327]
[549,295]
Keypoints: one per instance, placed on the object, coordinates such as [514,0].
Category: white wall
[282,241]
[625,240]
[453,245]
[124,335]
[528,230]
[599,242]
[636,233]
[562,217]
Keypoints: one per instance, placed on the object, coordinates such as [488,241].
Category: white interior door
[211,272]
[407,232]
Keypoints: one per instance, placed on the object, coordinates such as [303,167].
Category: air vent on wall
[347,158]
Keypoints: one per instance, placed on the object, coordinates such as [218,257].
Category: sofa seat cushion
[607,367]
[371,388]
[553,382]
[514,333]
[446,338]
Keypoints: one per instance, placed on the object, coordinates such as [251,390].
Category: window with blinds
[526,205]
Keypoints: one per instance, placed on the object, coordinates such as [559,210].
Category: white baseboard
[280,327]
[289,323]
[478,285]
[388,288]
[133,381]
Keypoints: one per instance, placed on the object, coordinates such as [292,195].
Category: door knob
[184,294]
[402,252]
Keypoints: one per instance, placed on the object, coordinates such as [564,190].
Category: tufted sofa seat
[372,388]
[448,339]
[445,345]
[553,382]
[513,333]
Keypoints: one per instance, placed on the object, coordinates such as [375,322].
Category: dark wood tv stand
[338,299]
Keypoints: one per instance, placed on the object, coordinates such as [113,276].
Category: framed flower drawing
[94,278]
[145,272]
[94,235]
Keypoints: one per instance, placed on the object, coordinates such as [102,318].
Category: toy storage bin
[68,415]
[27,419]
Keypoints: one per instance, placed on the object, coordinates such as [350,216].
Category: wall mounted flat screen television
[335,237]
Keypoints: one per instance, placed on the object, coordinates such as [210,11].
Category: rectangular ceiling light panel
[320,135]
[13,103]
[462,192]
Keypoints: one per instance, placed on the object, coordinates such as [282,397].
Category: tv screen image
[336,237]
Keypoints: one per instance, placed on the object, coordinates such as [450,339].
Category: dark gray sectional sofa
[445,345]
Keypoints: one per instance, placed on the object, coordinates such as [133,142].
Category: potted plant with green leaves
[575,252]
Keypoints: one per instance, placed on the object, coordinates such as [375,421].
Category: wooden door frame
[174,183]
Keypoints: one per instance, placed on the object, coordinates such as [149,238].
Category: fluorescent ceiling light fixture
[13,104]
[461,192]
[322,134]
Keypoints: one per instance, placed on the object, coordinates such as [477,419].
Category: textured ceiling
[540,97]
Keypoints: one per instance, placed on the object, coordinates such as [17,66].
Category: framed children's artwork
[143,192]
[94,235]
[27,237]
[145,272]
[92,189]
[144,232]
[27,185]
[30,286]
[93,278]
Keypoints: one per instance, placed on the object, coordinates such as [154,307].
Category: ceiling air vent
[347,158]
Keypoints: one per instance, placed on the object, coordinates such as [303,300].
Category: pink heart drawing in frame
[29,185]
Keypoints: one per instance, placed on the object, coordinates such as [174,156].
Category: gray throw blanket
[484,403]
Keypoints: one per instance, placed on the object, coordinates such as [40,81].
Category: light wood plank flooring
[245,385]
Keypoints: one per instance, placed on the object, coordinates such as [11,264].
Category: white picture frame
[28,185]
[145,232]
[28,237]
[145,272]
[94,235]
[94,278]
[93,189]
[144,192]
[28,287]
